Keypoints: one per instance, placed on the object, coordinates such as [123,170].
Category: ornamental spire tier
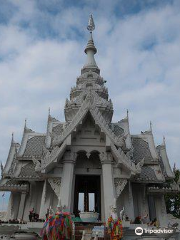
[89,85]
[90,50]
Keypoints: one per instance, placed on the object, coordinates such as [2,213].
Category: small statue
[114,210]
[47,213]
[144,218]
[59,207]
[83,235]
[51,211]
[122,214]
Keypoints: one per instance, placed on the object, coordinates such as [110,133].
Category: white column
[142,201]
[67,183]
[22,205]
[16,198]
[9,210]
[108,187]
[161,211]
[42,211]
[102,201]
[129,205]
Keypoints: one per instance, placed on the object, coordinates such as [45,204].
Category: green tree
[173,200]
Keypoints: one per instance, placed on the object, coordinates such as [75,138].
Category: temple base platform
[31,230]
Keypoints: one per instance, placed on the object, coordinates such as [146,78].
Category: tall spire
[90,49]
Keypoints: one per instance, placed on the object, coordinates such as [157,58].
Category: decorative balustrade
[172,188]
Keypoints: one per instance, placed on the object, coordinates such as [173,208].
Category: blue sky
[42,52]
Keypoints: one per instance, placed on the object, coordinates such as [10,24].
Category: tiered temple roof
[20,163]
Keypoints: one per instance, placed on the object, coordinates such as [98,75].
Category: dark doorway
[87,193]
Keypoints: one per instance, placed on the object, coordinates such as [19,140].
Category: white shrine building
[88,154]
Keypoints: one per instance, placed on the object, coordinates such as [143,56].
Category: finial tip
[25,123]
[127,111]
[91,25]
[12,137]
[174,168]
[150,126]
[164,140]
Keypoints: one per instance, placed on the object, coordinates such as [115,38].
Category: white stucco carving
[55,184]
[119,185]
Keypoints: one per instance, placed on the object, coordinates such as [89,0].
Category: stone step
[80,227]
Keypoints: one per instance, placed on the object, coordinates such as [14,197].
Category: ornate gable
[88,133]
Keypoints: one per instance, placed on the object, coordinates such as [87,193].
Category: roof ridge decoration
[50,118]
[12,140]
[2,169]
[126,118]
[50,122]
[164,140]
[11,156]
[150,127]
[26,129]
[123,159]
[163,156]
[13,166]
[27,135]
[148,132]
[163,144]
[49,157]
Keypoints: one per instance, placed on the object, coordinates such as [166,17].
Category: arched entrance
[87,190]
